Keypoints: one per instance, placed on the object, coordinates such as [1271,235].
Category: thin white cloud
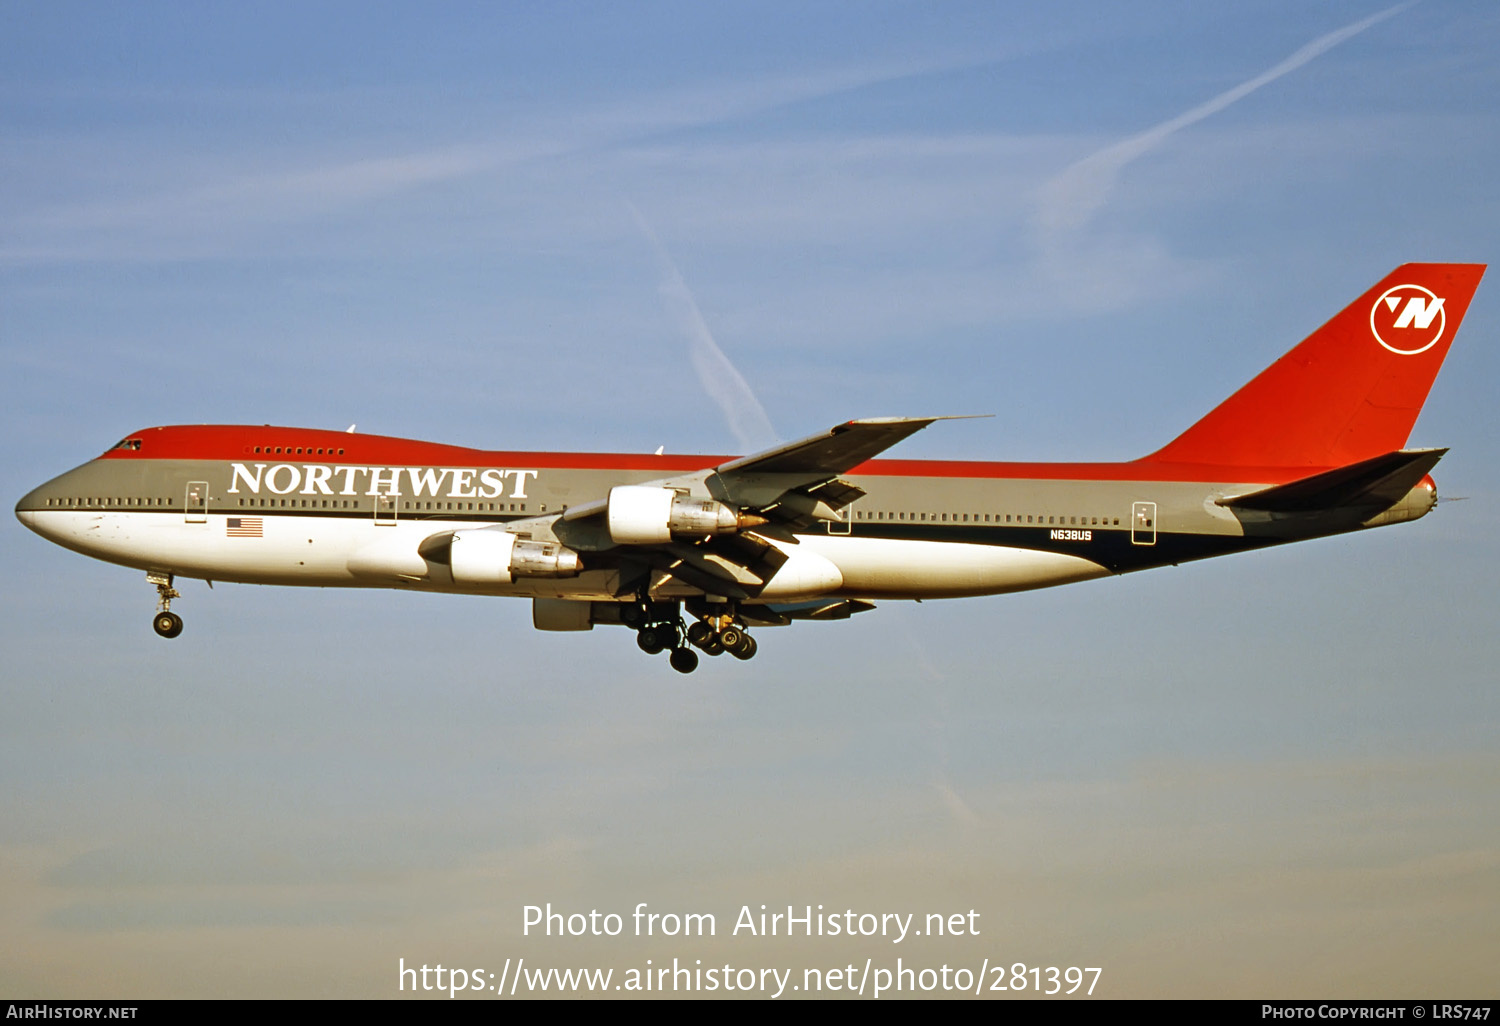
[189,215]
[1070,199]
[292,193]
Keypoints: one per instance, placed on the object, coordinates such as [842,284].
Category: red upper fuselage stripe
[238,443]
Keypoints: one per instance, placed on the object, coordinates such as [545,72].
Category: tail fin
[1351,390]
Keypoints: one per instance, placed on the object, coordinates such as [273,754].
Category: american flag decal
[243,527]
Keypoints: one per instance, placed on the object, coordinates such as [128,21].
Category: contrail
[942,785]
[1073,196]
[719,377]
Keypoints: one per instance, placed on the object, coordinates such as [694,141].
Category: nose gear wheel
[166,623]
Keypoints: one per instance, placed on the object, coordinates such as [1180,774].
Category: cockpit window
[132,444]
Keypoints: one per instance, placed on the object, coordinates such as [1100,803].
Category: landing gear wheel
[746,648]
[632,615]
[731,638]
[168,625]
[700,634]
[684,660]
[654,639]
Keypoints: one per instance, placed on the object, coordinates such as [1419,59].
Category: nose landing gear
[166,623]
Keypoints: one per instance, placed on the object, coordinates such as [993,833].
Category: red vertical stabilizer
[1351,390]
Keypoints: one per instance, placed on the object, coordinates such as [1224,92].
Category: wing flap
[781,615]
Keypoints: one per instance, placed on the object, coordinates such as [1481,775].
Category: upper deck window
[131,444]
[288,450]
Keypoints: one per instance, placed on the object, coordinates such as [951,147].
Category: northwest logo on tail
[1407,319]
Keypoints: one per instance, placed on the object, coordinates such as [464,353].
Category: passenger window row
[987,518]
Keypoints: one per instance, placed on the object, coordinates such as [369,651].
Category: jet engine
[644,515]
[498,557]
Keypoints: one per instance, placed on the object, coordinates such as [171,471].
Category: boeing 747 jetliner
[814,530]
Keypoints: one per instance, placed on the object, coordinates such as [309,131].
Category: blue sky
[491,225]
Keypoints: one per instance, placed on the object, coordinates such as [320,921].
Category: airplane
[817,529]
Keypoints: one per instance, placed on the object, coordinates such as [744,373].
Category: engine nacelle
[498,557]
[643,515]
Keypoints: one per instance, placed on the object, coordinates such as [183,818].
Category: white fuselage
[318,551]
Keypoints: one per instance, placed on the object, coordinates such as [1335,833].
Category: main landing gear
[659,626]
[166,623]
[721,634]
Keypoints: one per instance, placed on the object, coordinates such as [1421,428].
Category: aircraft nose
[29,506]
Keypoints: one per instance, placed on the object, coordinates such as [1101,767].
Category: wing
[705,529]
[798,474]
[835,451]
[798,483]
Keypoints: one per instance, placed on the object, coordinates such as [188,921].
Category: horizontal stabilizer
[1376,483]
